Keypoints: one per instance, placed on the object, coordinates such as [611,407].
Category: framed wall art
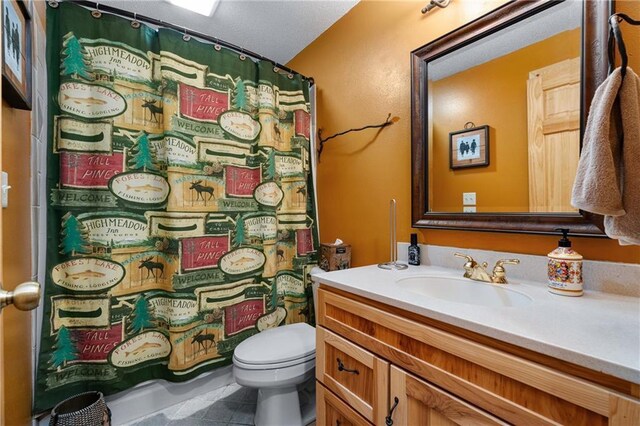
[469,148]
[16,54]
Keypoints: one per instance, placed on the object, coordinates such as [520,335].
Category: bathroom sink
[463,290]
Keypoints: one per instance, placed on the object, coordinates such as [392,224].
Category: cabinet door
[332,411]
[420,403]
[354,374]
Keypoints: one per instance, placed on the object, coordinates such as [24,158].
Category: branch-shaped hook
[322,140]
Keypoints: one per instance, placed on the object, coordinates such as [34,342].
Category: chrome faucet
[478,272]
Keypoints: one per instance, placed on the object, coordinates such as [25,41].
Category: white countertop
[599,331]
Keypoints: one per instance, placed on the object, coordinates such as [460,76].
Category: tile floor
[230,405]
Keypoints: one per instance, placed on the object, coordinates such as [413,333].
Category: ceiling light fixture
[203,7]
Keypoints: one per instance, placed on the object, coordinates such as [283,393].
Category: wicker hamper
[85,409]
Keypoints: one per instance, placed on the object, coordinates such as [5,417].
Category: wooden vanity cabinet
[441,375]
[421,403]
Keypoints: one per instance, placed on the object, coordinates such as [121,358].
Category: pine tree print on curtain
[181,217]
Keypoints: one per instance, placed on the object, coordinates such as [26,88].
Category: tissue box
[335,256]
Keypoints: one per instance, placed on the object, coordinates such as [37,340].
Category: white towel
[608,177]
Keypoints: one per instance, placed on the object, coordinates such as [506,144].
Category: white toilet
[280,363]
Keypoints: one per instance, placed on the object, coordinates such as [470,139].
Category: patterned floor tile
[244,414]
[214,395]
[154,420]
[232,388]
[244,395]
[195,408]
[222,410]
[190,421]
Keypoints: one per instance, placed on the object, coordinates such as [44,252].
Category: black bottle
[414,251]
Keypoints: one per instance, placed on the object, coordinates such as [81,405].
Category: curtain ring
[96,12]
[276,69]
[186,37]
[53,3]
[469,125]
[135,23]
[242,55]
[290,76]
[216,45]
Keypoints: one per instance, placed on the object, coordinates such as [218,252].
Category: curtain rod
[158,22]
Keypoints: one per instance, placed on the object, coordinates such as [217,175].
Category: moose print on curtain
[181,217]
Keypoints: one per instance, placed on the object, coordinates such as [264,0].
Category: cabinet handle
[388,421]
[341,367]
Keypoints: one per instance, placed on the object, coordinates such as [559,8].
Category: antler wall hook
[389,121]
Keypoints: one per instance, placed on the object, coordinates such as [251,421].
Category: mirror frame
[594,69]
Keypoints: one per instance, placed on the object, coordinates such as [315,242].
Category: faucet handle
[501,262]
[499,273]
[464,256]
[469,265]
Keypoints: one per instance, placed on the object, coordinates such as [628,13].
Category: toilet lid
[277,345]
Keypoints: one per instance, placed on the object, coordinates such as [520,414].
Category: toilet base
[278,407]
[307,395]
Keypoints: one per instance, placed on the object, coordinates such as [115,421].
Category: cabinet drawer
[354,374]
[332,411]
[511,388]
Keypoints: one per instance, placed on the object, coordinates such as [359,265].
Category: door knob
[25,297]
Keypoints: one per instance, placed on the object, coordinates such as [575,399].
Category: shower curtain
[181,216]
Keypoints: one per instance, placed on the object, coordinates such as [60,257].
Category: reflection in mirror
[503,117]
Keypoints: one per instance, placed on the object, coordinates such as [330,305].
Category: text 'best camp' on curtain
[181,216]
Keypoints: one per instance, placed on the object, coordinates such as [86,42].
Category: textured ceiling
[276,29]
[562,17]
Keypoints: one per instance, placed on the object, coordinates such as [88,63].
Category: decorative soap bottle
[414,251]
[565,268]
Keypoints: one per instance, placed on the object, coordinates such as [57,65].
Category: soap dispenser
[565,268]
[414,251]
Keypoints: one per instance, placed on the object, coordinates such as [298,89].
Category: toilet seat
[283,364]
[280,347]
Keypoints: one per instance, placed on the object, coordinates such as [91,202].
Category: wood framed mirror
[525,183]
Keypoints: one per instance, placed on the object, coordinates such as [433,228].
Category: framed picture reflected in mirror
[16,54]
[469,148]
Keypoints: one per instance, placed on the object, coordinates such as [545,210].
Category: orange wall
[493,94]
[362,69]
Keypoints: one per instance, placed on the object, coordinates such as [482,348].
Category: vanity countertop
[599,331]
